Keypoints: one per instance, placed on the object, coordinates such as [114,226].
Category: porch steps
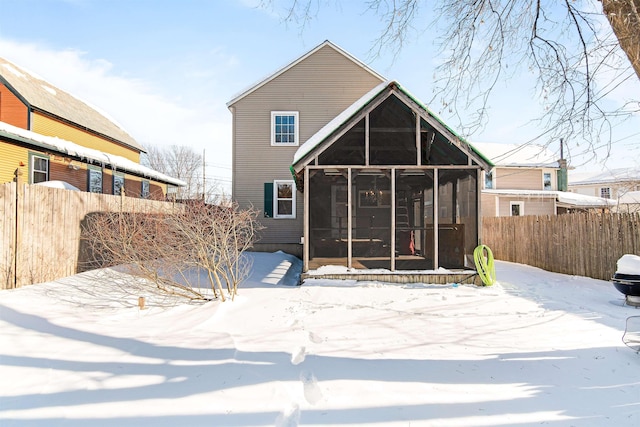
[462,277]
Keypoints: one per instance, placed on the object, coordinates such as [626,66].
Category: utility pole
[204,178]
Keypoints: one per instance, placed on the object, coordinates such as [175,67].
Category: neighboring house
[621,185]
[529,180]
[352,170]
[48,134]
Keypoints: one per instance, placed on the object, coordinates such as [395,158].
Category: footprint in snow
[290,417]
[297,356]
[312,392]
[315,338]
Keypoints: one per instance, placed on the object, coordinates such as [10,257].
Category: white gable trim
[263,82]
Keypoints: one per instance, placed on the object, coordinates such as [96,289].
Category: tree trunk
[624,16]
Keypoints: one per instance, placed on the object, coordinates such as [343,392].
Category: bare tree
[574,56]
[173,249]
[187,165]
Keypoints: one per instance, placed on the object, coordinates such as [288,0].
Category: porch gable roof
[306,152]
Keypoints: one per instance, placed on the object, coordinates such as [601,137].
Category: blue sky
[165,69]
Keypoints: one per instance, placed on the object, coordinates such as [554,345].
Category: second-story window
[605,192]
[284,128]
[546,181]
[488,180]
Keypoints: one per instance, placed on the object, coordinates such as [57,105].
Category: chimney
[562,173]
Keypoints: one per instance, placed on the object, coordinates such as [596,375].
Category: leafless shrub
[172,249]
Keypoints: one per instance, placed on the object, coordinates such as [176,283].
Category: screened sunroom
[387,185]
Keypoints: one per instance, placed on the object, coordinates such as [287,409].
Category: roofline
[140,149]
[389,86]
[34,141]
[287,67]
[31,108]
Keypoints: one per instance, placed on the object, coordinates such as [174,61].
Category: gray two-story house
[350,169]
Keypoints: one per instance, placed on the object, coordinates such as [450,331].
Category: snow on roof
[74,150]
[272,76]
[337,121]
[573,199]
[608,176]
[515,155]
[42,95]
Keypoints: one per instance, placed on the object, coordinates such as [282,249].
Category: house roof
[42,95]
[562,197]
[611,176]
[341,119]
[292,64]
[518,155]
[72,149]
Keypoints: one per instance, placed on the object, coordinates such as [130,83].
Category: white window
[95,180]
[284,199]
[488,180]
[546,181]
[39,169]
[284,128]
[605,192]
[516,208]
[118,184]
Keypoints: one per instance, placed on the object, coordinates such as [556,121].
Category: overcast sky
[165,69]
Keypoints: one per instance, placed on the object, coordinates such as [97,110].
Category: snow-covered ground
[537,349]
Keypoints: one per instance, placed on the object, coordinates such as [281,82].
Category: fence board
[40,229]
[577,244]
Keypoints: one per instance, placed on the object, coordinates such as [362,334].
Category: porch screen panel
[328,215]
[414,220]
[457,217]
[371,220]
[392,134]
[347,150]
[435,149]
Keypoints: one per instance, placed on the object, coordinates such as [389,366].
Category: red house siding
[12,110]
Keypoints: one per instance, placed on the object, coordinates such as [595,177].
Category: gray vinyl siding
[518,179]
[319,88]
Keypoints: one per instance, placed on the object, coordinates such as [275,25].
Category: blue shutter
[268,199]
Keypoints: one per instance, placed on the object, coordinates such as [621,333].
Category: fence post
[19,180]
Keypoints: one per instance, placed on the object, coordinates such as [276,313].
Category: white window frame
[518,203]
[605,190]
[33,170]
[550,181]
[276,199]
[488,174]
[296,132]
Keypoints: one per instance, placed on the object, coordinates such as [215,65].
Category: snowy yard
[537,349]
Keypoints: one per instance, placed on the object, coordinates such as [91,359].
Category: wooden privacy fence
[577,244]
[40,229]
